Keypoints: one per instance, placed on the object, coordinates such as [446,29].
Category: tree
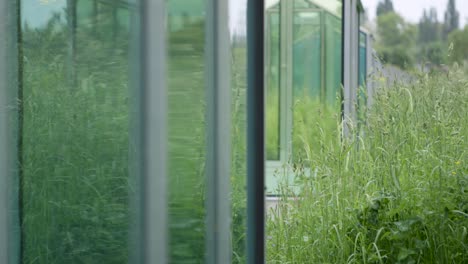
[384,7]
[452,18]
[430,46]
[429,27]
[396,39]
[458,39]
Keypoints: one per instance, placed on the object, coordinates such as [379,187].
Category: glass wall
[310,78]
[76,120]
[82,123]
[362,92]
[239,131]
[362,58]
[82,115]
[186,130]
[272,49]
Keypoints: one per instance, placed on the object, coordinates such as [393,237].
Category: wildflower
[457,162]
[454,173]
[306,238]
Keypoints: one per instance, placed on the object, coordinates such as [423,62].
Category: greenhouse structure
[148,131]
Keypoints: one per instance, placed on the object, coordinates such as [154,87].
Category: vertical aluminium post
[153,132]
[350,64]
[347,67]
[287,14]
[218,94]
[255,133]
[354,63]
[369,73]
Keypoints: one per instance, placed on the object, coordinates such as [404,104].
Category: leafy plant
[393,191]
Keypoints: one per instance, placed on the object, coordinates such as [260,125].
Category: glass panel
[302,4]
[75,156]
[306,54]
[333,60]
[333,7]
[187,133]
[362,58]
[273,86]
[272,4]
[307,72]
[239,133]
[362,95]
[317,74]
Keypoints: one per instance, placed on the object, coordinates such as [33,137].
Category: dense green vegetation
[396,194]
[430,42]
[79,132]
[393,192]
[76,145]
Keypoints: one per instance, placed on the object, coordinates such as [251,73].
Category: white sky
[412,10]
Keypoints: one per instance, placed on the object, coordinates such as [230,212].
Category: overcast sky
[412,10]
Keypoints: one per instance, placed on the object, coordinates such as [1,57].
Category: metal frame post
[346,65]
[255,133]
[350,63]
[370,67]
[218,94]
[153,146]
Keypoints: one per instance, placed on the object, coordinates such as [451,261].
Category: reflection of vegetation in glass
[316,82]
[75,140]
[75,157]
[186,132]
[306,54]
[302,4]
[333,59]
[187,136]
[239,138]
[273,87]
[306,75]
[362,100]
[362,58]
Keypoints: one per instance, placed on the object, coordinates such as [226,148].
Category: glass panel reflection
[75,159]
[273,85]
[187,133]
[316,79]
[362,71]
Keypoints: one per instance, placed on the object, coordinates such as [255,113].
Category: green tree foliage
[433,52]
[429,28]
[385,7]
[396,39]
[431,48]
[459,40]
[452,18]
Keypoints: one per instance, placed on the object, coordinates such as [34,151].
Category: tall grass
[396,192]
[75,168]
[79,160]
